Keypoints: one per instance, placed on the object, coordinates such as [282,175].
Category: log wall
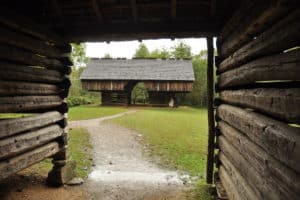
[258,102]
[34,68]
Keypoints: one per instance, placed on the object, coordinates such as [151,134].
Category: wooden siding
[169,86]
[258,100]
[104,85]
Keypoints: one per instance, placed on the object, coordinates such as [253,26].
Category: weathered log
[14,72]
[23,41]
[28,103]
[8,88]
[11,127]
[230,188]
[280,103]
[241,183]
[13,165]
[279,177]
[283,35]
[283,66]
[257,19]
[25,57]
[29,140]
[278,139]
[25,25]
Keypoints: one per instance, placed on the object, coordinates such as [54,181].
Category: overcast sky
[127,49]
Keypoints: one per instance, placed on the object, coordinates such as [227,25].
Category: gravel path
[121,170]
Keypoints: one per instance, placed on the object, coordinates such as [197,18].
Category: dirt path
[121,170]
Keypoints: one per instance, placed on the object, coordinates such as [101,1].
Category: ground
[124,167]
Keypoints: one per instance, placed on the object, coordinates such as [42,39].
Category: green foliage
[142,51]
[78,55]
[107,55]
[139,94]
[181,50]
[181,143]
[78,96]
[160,54]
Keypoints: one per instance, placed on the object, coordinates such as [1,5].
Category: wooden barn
[116,78]
[253,115]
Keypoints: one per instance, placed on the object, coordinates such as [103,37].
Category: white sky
[127,48]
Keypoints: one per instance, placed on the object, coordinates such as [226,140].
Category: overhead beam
[150,30]
[134,9]
[173,8]
[57,9]
[97,10]
[213,6]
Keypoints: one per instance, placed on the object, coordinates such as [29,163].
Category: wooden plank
[173,8]
[134,9]
[282,36]
[257,19]
[25,25]
[278,139]
[28,103]
[97,10]
[280,182]
[21,56]
[29,140]
[279,103]
[245,190]
[283,66]
[210,111]
[13,165]
[11,127]
[230,188]
[14,72]
[23,41]
[9,88]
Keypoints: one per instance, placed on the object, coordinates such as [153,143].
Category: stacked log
[258,113]
[34,69]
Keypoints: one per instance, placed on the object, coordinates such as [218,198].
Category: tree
[78,55]
[160,54]
[107,55]
[142,51]
[181,50]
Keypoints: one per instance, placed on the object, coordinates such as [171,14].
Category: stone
[61,174]
[76,181]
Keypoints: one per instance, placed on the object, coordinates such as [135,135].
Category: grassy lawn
[80,152]
[178,136]
[93,111]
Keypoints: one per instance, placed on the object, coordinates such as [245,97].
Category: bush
[76,101]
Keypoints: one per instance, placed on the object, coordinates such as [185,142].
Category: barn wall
[115,98]
[258,105]
[104,85]
[172,86]
[34,65]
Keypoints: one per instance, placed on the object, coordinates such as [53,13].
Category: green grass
[178,136]
[93,111]
[13,115]
[80,152]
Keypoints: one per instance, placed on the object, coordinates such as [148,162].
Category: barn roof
[139,69]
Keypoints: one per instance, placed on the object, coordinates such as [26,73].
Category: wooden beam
[57,9]
[21,56]
[280,37]
[13,165]
[280,103]
[211,120]
[280,181]
[11,127]
[173,9]
[145,30]
[257,19]
[213,7]
[19,144]
[14,72]
[278,139]
[25,25]
[10,88]
[134,9]
[284,66]
[97,10]
[28,103]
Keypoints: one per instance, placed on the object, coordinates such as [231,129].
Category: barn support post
[210,110]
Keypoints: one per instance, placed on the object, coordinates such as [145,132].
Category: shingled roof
[139,69]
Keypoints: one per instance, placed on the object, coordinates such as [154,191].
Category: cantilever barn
[116,78]
[253,103]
